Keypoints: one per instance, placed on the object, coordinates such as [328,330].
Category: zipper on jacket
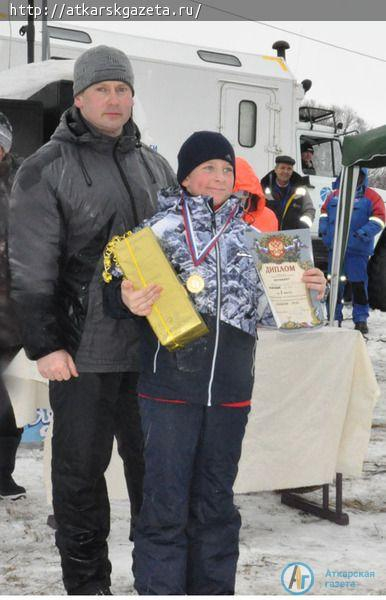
[155,357]
[218,311]
[147,167]
[254,358]
[127,186]
[86,175]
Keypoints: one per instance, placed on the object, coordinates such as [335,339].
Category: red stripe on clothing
[327,201]
[377,203]
[229,404]
[237,404]
[162,399]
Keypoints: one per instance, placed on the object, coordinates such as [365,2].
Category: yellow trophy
[140,257]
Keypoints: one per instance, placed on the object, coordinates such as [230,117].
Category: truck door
[326,164]
[250,119]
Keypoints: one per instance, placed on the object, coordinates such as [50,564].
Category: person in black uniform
[10,434]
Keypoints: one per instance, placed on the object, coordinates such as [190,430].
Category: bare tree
[346,115]
[350,119]
[377,178]
[352,122]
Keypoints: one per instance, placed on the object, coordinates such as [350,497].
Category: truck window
[219,57]
[326,158]
[247,123]
[70,35]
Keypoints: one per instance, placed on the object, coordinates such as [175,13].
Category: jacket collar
[296,180]
[73,127]
[171,198]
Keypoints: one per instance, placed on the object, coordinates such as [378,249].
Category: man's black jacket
[69,198]
[298,205]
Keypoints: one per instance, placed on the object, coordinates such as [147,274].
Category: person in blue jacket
[194,402]
[368,219]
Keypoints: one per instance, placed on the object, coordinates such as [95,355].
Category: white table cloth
[311,414]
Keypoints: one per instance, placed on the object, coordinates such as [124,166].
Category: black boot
[51,522]
[8,487]
[362,327]
[91,589]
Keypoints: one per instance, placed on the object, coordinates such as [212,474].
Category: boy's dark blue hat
[200,147]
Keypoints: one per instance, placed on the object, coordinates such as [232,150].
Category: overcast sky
[338,77]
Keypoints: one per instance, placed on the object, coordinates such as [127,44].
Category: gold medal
[195,283]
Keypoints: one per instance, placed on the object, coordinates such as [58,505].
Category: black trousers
[186,540]
[8,427]
[10,435]
[88,412]
[7,418]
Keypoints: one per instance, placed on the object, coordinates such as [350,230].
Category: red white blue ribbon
[199,257]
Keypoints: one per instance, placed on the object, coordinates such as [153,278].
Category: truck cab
[317,130]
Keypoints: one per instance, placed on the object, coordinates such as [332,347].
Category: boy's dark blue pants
[186,541]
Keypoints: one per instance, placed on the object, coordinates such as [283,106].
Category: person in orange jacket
[256,213]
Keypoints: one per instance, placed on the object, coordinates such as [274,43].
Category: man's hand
[139,302]
[57,366]
[315,280]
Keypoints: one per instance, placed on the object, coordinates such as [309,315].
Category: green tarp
[363,150]
[366,149]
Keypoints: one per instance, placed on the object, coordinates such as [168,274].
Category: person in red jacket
[256,213]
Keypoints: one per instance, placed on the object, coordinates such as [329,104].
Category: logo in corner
[297,578]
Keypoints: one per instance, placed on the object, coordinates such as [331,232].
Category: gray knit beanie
[5,133]
[102,63]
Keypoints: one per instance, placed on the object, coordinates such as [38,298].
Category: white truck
[254,100]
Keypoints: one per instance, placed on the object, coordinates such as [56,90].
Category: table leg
[323,511]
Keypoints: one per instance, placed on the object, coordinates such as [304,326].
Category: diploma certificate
[281,258]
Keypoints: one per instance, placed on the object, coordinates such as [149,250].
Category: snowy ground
[272,534]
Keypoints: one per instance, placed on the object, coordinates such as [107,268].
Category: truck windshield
[321,156]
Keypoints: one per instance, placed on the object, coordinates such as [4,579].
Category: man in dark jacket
[287,197]
[93,180]
[307,156]
[10,434]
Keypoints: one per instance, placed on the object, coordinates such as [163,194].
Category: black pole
[339,493]
[45,34]
[31,32]
[326,496]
